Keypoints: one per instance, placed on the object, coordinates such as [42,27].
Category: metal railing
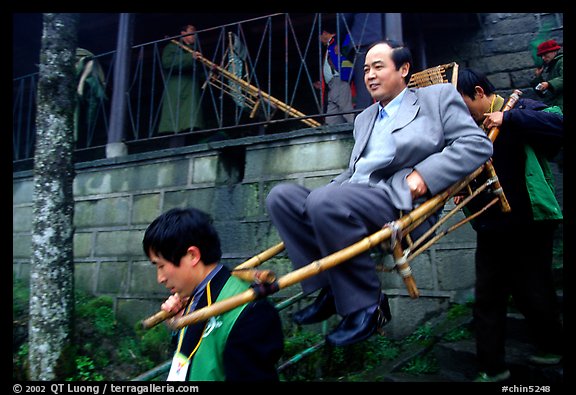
[273,64]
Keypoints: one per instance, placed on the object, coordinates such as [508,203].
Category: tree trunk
[52,268]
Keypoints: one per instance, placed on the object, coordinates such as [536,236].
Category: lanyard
[199,290]
[182,332]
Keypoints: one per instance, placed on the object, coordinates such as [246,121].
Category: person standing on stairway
[181,110]
[514,251]
[336,78]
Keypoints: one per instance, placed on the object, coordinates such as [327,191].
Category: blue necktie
[383,114]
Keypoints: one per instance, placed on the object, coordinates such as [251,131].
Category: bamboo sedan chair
[388,238]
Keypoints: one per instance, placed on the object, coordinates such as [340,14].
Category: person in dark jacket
[514,250]
[181,105]
[242,344]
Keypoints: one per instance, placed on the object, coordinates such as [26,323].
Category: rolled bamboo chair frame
[389,237]
[442,73]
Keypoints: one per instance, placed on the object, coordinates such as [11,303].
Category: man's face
[177,279]
[191,38]
[382,79]
[476,107]
[325,37]
[547,57]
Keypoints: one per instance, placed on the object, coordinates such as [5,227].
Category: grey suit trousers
[316,223]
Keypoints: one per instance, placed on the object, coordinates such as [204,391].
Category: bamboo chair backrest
[435,75]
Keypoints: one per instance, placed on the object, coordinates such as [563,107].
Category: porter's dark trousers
[515,262]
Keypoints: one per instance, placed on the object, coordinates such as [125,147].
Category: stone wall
[500,48]
[116,199]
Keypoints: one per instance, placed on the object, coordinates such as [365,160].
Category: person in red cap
[549,78]
[549,85]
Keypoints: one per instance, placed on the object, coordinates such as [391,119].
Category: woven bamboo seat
[435,75]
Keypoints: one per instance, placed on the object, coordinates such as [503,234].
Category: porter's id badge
[179,368]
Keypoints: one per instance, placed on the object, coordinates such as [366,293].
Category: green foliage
[131,353]
[117,351]
[457,334]
[300,340]
[457,311]
[334,362]
[20,363]
[381,349]
[86,370]
[147,348]
[423,335]
[102,348]
[20,298]
[425,364]
[20,307]
[156,343]
[97,310]
[301,367]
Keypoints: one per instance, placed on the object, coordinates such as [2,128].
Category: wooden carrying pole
[251,89]
[257,260]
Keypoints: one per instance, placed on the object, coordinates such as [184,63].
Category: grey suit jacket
[434,134]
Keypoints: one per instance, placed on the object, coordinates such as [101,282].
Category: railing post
[393,26]
[115,146]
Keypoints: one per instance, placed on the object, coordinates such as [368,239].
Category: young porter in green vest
[514,250]
[243,344]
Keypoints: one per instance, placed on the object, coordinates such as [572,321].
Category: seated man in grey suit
[409,145]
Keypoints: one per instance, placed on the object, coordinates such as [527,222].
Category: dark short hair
[400,55]
[183,28]
[329,26]
[173,232]
[468,79]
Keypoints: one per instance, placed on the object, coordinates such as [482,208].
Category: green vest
[540,183]
[208,363]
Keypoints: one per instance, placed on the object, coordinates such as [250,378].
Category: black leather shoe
[360,325]
[322,308]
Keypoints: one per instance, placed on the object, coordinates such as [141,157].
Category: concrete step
[458,359]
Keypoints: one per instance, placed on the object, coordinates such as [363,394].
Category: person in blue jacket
[514,250]
[336,77]
[365,28]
